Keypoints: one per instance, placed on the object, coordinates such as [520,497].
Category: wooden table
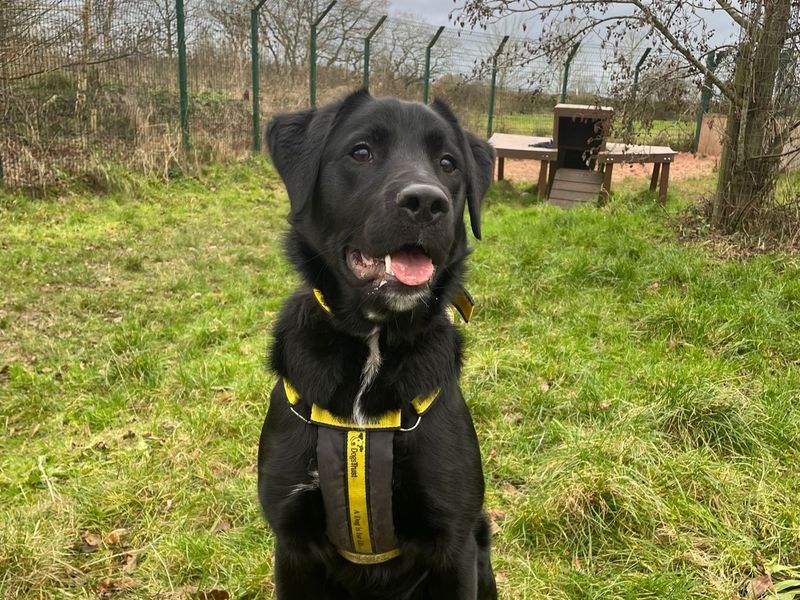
[508,145]
[661,157]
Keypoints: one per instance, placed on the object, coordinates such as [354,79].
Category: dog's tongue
[411,267]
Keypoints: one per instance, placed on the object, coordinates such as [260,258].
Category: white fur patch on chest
[368,373]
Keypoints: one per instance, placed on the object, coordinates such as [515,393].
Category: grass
[636,399]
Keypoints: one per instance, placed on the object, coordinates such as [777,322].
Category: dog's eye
[447,164]
[361,153]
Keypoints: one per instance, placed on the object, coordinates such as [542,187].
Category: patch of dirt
[686,166]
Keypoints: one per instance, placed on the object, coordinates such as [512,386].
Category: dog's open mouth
[411,266]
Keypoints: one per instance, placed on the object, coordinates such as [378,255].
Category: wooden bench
[661,157]
[508,145]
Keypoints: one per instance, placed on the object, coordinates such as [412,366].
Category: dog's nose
[423,203]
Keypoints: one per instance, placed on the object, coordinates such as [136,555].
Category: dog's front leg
[299,578]
[457,580]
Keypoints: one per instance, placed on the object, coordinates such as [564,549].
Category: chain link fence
[85,83]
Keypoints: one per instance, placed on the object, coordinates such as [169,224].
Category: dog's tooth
[388,263]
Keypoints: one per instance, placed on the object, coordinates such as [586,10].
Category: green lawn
[637,400]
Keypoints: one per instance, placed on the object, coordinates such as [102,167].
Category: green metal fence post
[182,85]
[365,79]
[705,99]
[255,76]
[570,56]
[426,81]
[493,87]
[312,56]
[636,73]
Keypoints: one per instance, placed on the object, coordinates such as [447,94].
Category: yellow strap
[357,491]
[321,299]
[462,301]
[464,304]
[422,404]
[388,420]
[291,394]
[369,559]
[322,416]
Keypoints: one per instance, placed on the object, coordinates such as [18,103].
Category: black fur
[339,203]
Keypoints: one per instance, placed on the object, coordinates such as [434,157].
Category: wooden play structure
[578,163]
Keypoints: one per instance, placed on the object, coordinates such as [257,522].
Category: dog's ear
[480,178]
[479,167]
[296,142]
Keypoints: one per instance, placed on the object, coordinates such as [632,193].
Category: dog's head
[378,189]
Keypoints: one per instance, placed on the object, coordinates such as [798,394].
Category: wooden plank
[608,172]
[562,194]
[578,186]
[664,185]
[528,153]
[622,153]
[511,145]
[542,185]
[654,177]
[578,175]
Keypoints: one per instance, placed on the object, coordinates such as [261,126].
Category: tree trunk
[747,172]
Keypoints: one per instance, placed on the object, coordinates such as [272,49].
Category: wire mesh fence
[81,82]
[86,82]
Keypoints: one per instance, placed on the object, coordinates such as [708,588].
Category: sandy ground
[686,166]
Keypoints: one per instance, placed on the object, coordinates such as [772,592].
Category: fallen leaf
[495,514]
[509,489]
[128,562]
[654,286]
[106,587]
[128,435]
[544,385]
[759,586]
[115,537]
[576,563]
[196,295]
[92,539]
[604,405]
[222,526]
[494,528]
[665,534]
[224,397]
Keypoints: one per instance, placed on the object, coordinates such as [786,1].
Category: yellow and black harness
[356,464]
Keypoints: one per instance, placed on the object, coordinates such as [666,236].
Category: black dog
[369,467]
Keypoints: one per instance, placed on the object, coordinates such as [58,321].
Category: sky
[433,11]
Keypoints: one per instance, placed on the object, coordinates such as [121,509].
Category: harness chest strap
[462,302]
[355,463]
